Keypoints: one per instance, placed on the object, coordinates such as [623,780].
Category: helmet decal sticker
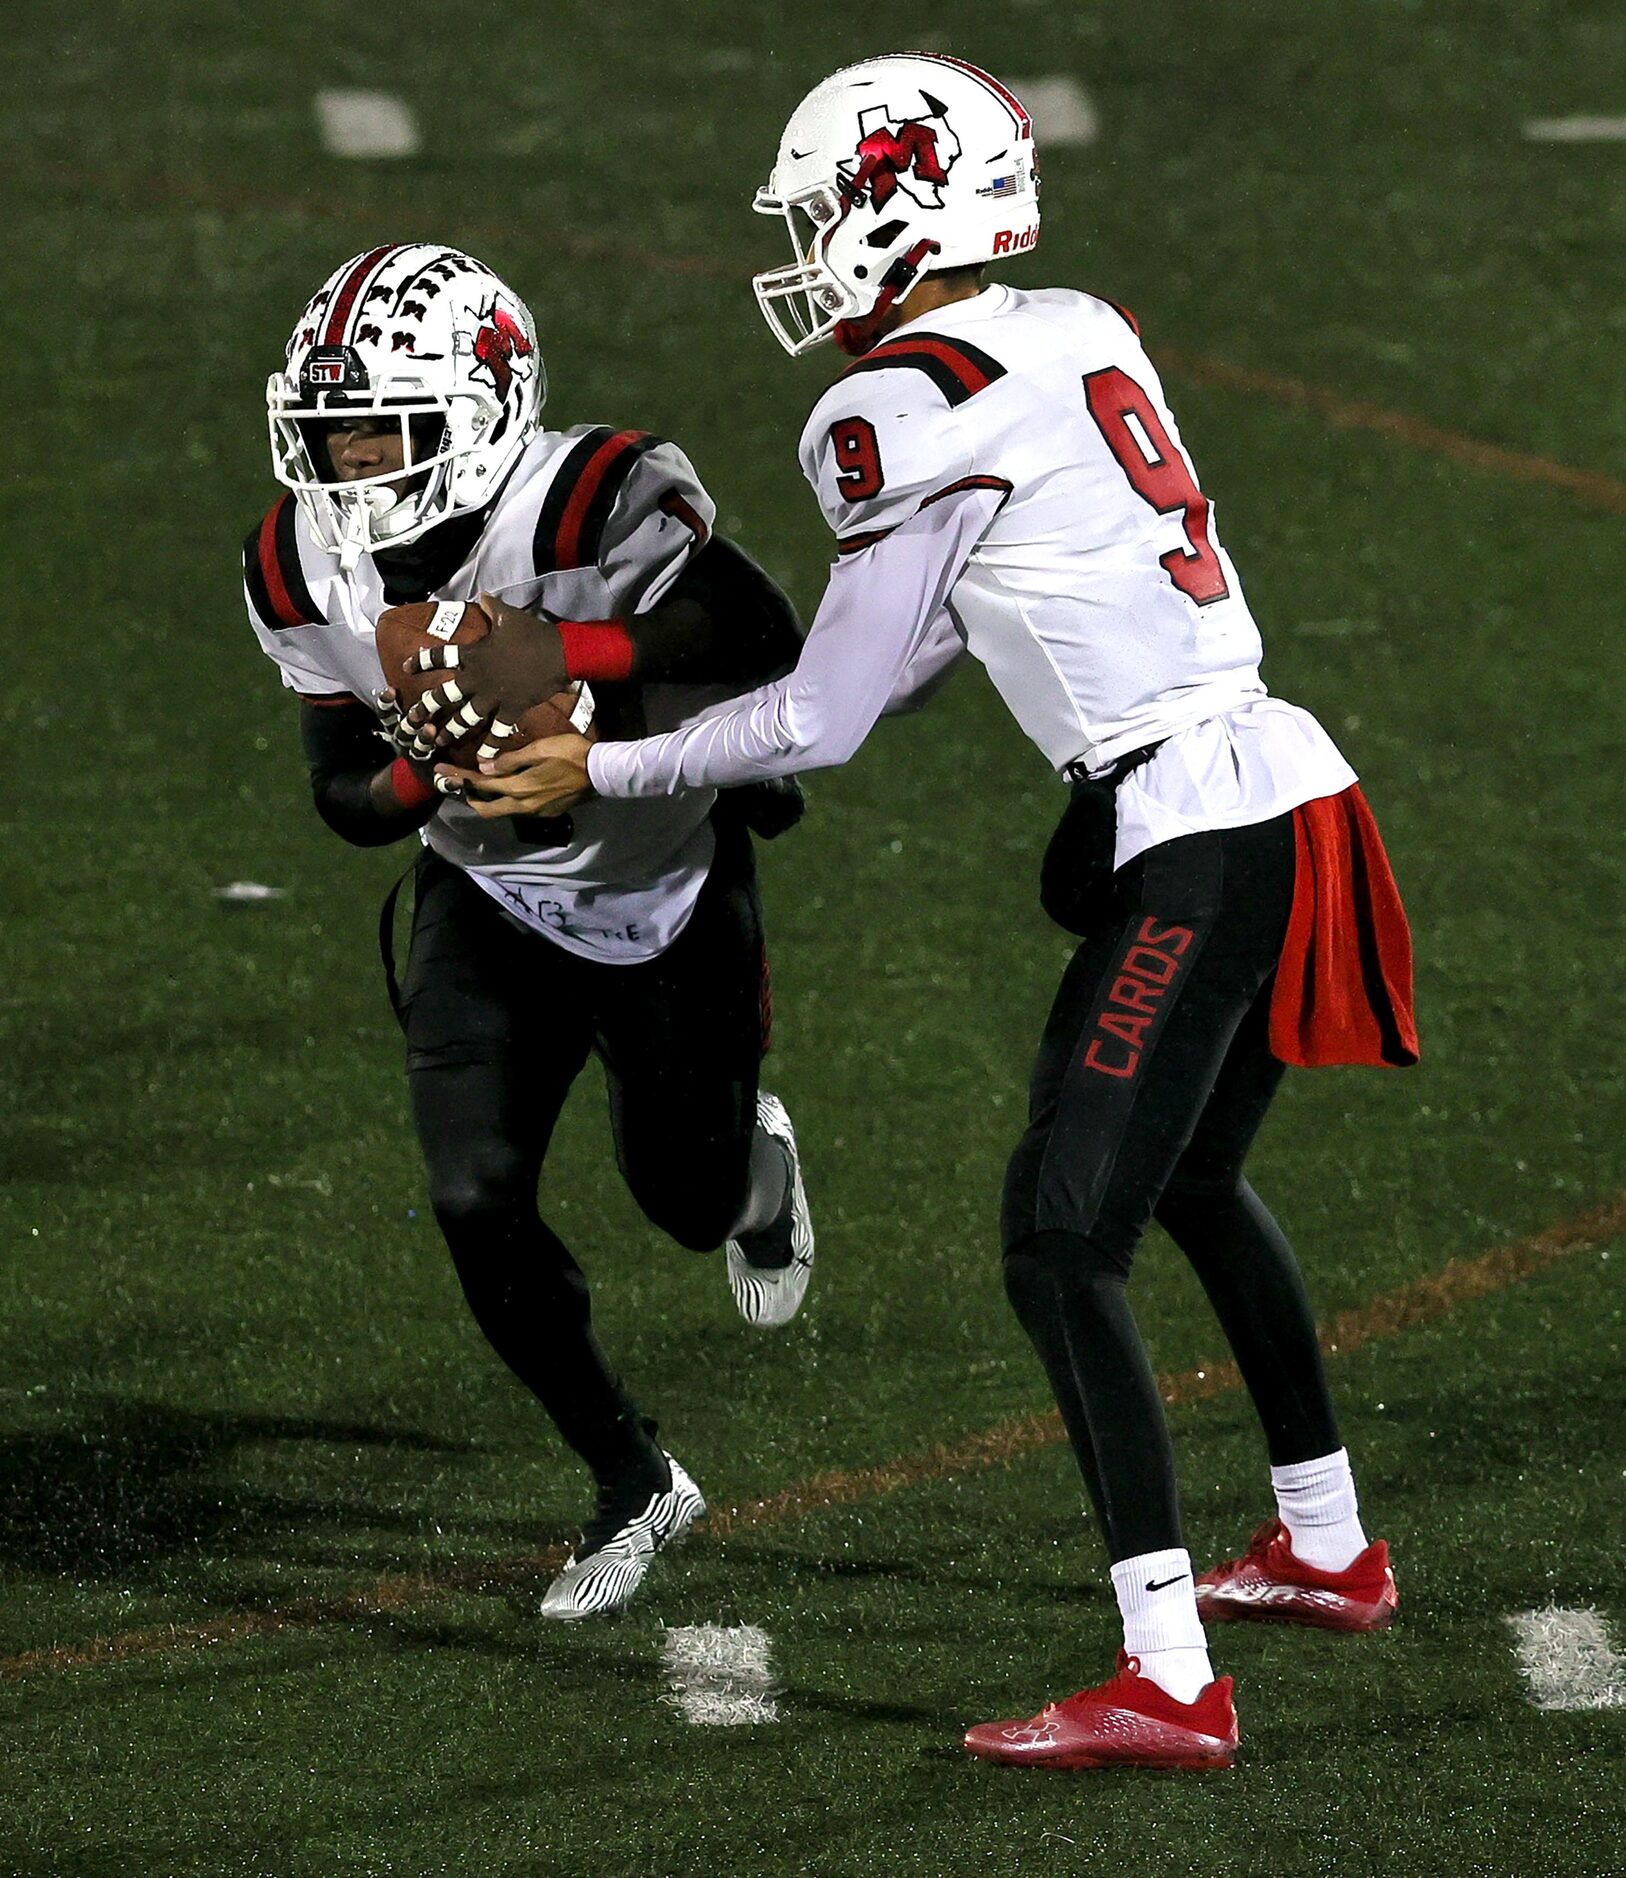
[915,157]
[498,345]
[334,368]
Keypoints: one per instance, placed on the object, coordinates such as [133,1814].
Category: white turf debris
[1567,1659]
[366,124]
[720,1675]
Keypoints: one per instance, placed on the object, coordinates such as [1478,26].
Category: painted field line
[1592,487]
[720,1675]
[197,190]
[1063,114]
[1576,130]
[1567,1659]
[366,124]
[1426,1301]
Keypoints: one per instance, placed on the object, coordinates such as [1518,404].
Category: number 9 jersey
[1098,597]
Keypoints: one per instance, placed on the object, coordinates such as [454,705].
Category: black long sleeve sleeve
[723,621]
[345,752]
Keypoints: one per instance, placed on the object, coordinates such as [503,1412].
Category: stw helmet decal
[421,336]
[887,170]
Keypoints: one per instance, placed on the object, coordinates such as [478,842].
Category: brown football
[402,632]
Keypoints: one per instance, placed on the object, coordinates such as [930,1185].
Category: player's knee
[1067,1261]
[475,1188]
[1018,1204]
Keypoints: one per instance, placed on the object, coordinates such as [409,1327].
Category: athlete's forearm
[881,606]
[723,622]
[366,802]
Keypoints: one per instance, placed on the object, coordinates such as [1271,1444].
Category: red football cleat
[1268,1584]
[1127,1722]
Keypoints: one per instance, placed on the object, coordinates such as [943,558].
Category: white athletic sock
[1158,1602]
[1315,1501]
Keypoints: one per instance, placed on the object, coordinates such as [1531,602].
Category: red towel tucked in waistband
[1343,988]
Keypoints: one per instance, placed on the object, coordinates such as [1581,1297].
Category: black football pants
[1151,1081]
[499,1022]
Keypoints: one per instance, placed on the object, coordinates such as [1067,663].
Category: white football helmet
[426,336]
[890,169]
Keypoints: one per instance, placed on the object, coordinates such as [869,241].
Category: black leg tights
[526,1291]
[1256,1288]
[1152,1079]
[1077,1314]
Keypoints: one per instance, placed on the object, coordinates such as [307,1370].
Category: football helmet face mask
[901,164]
[421,337]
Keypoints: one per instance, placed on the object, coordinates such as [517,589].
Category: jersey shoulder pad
[879,446]
[274,571]
[589,474]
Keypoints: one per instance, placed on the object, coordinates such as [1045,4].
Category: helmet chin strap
[371,505]
[856,337]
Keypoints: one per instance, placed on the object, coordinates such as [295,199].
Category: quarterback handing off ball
[405,631]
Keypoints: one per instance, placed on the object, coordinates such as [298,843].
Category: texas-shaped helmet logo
[914,154]
[498,344]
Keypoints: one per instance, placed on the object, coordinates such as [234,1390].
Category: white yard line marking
[366,124]
[1568,1659]
[248,892]
[720,1675]
[1061,110]
[1576,130]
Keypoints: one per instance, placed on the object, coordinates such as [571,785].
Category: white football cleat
[618,1545]
[771,1293]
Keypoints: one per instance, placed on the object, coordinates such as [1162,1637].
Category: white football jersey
[1005,469]
[593,523]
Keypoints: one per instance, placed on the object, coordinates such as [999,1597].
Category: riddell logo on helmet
[1015,240]
[916,157]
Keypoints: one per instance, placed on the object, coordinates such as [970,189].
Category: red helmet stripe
[1013,104]
[345,299]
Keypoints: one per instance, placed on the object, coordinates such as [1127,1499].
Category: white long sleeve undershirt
[879,640]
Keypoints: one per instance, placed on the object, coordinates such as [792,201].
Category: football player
[1003,475]
[406,426]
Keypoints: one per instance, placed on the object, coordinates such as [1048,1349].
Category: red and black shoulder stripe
[570,523]
[276,582]
[956,367]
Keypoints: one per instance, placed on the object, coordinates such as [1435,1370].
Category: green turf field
[240,1391]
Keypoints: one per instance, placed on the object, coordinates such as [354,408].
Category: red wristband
[412,790]
[599,650]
